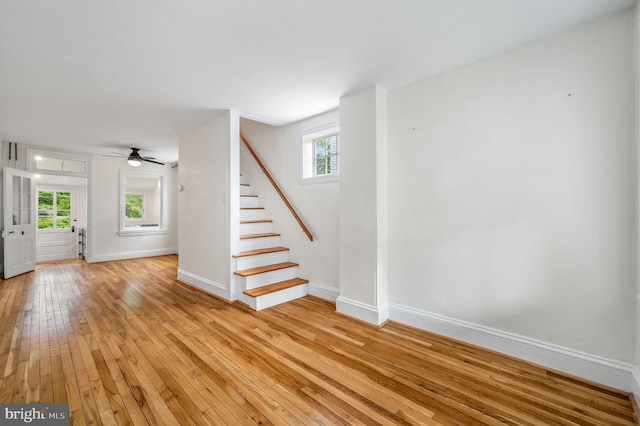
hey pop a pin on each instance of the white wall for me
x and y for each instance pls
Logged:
(107, 244)
(316, 203)
(208, 205)
(512, 191)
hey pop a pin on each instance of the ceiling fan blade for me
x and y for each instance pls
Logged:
(148, 158)
(152, 161)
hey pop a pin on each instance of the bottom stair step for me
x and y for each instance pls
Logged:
(272, 288)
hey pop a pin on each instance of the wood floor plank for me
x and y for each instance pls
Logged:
(214, 389)
(124, 342)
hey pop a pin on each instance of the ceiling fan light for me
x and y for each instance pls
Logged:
(134, 162)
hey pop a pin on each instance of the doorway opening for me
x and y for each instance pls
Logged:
(62, 217)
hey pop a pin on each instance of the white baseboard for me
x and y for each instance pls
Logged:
(371, 314)
(212, 287)
(616, 374)
(322, 291)
(131, 254)
(635, 383)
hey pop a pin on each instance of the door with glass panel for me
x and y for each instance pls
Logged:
(56, 237)
(19, 227)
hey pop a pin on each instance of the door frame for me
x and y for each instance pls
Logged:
(32, 165)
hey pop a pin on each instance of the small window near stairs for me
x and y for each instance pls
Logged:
(320, 154)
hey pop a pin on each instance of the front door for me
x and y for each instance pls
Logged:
(57, 238)
(19, 232)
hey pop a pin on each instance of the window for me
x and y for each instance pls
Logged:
(327, 151)
(320, 150)
(143, 209)
(54, 210)
(57, 163)
(135, 206)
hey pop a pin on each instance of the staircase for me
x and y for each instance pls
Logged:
(264, 273)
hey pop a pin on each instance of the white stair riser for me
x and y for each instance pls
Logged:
(248, 202)
(275, 298)
(256, 228)
(259, 280)
(259, 243)
(248, 300)
(245, 190)
(252, 214)
(248, 262)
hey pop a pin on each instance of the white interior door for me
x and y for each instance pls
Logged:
(19, 232)
(57, 237)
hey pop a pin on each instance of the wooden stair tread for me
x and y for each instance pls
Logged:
(244, 184)
(249, 236)
(272, 288)
(251, 208)
(256, 221)
(248, 195)
(266, 268)
(260, 251)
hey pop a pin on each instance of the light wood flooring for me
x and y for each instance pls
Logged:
(125, 343)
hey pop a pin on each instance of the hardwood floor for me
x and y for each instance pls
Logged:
(125, 343)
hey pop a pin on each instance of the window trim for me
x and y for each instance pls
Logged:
(307, 154)
(130, 231)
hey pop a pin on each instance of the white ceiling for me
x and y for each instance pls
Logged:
(93, 75)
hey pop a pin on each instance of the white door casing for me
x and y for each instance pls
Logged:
(20, 221)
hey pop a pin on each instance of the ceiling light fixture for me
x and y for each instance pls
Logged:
(134, 159)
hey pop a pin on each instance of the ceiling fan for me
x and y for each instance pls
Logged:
(135, 159)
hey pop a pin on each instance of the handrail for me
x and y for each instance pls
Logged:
(277, 188)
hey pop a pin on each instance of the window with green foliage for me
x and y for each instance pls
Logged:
(327, 150)
(134, 206)
(54, 210)
(320, 154)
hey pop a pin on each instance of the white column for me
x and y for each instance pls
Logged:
(363, 205)
(635, 383)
